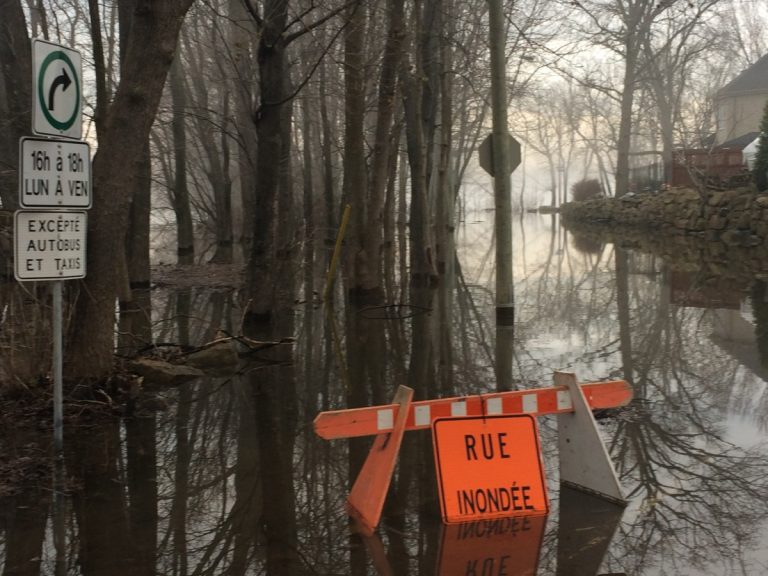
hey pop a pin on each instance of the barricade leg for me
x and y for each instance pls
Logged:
(585, 531)
(366, 499)
(584, 460)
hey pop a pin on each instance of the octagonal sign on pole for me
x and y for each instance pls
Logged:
(485, 152)
(57, 81)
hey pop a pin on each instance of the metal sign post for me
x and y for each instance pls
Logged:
(54, 176)
(58, 372)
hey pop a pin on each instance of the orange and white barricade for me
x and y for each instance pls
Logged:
(584, 460)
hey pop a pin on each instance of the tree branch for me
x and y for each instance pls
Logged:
(309, 27)
(253, 12)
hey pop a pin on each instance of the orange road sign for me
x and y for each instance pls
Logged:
(536, 402)
(508, 546)
(366, 499)
(484, 485)
(489, 467)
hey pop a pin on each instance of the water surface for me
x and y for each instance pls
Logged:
(224, 475)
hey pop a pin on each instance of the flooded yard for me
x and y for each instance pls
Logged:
(225, 475)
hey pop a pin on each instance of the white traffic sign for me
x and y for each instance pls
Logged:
(57, 81)
(49, 245)
(54, 173)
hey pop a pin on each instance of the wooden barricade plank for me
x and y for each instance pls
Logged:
(536, 402)
(366, 499)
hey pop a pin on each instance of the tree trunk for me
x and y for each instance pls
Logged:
(445, 248)
(211, 117)
(354, 190)
(137, 238)
(268, 119)
(135, 257)
(222, 194)
(383, 143)
(418, 109)
(310, 382)
(242, 31)
(331, 207)
(15, 96)
(185, 234)
(624, 140)
(148, 55)
(422, 264)
(286, 266)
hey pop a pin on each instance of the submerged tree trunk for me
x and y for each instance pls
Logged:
(148, 55)
(102, 517)
(223, 198)
(211, 96)
(141, 451)
(185, 238)
(383, 147)
(268, 120)
(136, 253)
(445, 247)
(25, 535)
(247, 506)
(137, 237)
(355, 185)
(423, 270)
(242, 32)
(310, 382)
(354, 192)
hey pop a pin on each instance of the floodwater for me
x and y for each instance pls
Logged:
(224, 475)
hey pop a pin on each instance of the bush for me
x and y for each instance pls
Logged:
(760, 171)
(586, 189)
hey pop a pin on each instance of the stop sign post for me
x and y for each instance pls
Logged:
(485, 153)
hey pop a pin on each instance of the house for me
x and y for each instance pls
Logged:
(724, 158)
(739, 105)
(721, 165)
(716, 165)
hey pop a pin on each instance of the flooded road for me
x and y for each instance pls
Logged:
(224, 475)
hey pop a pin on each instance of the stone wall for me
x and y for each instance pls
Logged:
(734, 217)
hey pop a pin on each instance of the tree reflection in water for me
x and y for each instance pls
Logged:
(230, 479)
(697, 498)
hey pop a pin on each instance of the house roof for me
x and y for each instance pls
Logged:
(740, 142)
(753, 79)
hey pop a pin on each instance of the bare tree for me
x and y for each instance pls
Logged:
(179, 194)
(622, 28)
(149, 50)
(669, 54)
